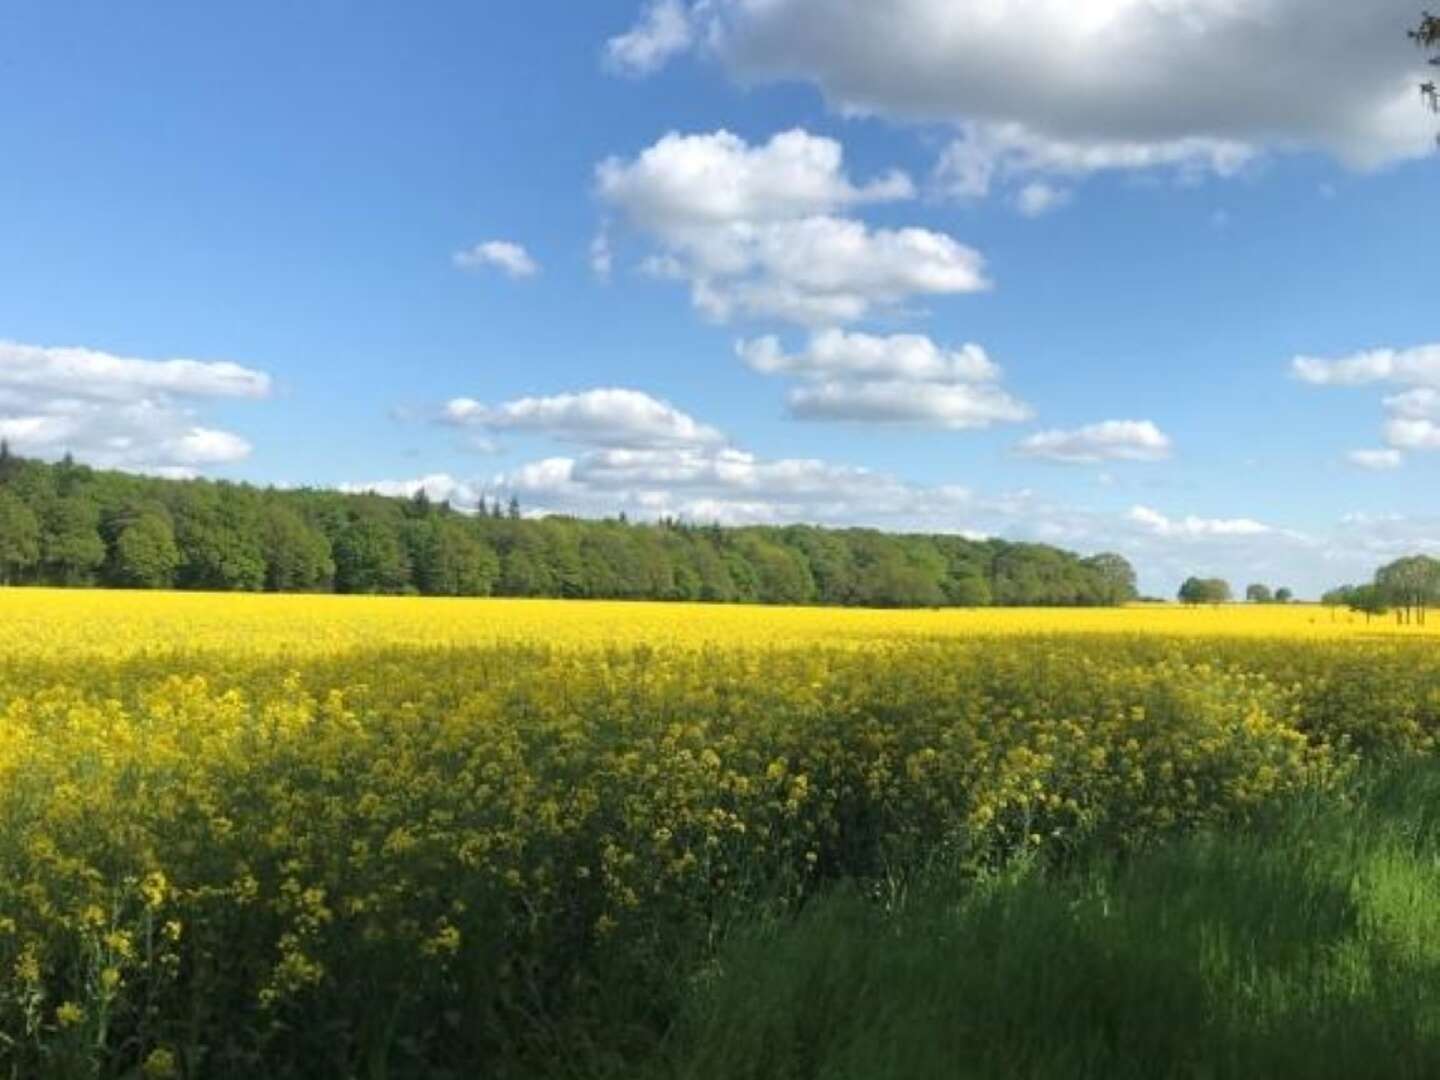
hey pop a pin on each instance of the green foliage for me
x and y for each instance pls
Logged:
(297, 554)
(1204, 591)
(145, 555)
(369, 558)
(1259, 594)
(449, 560)
(70, 546)
(19, 539)
(1307, 947)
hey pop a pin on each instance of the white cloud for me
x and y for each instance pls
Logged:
(729, 485)
(1406, 434)
(438, 487)
(756, 230)
(602, 417)
(1413, 413)
(1037, 199)
(957, 406)
(502, 255)
(987, 154)
(900, 379)
(663, 31)
(1419, 366)
(602, 259)
(1112, 440)
(122, 412)
(1376, 460)
(1194, 528)
(685, 181)
(1421, 403)
(832, 353)
(100, 376)
(1069, 87)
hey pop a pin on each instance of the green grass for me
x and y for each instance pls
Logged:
(1308, 946)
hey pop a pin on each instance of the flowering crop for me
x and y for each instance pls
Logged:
(320, 834)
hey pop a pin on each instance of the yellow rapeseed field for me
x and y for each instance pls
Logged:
(115, 623)
(238, 830)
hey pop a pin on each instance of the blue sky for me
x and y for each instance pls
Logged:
(1046, 288)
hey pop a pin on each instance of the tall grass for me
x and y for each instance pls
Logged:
(1308, 946)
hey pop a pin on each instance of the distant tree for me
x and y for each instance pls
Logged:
(71, 549)
(19, 539)
(1339, 596)
(523, 570)
(968, 590)
(145, 555)
(1410, 586)
(1258, 594)
(369, 558)
(218, 531)
(513, 510)
(1369, 600)
(1427, 36)
(1115, 581)
(1284, 595)
(449, 560)
(1197, 590)
(298, 556)
(9, 463)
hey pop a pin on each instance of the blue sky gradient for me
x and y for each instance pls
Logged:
(284, 187)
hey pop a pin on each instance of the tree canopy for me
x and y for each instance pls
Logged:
(66, 524)
(1198, 590)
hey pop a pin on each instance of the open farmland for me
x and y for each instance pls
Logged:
(348, 836)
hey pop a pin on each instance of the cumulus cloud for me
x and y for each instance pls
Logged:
(602, 417)
(509, 258)
(899, 379)
(987, 154)
(1411, 434)
(1413, 413)
(663, 30)
(117, 411)
(1112, 440)
(438, 487)
(728, 485)
(836, 353)
(1419, 366)
(1199, 86)
(1376, 460)
(957, 406)
(759, 231)
(1192, 527)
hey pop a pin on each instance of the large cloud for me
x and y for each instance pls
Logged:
(603, 417)
(759, 230)
(899, 379)
(1110, 440)
(1413, 414)
(1068, 87)
(120, 411)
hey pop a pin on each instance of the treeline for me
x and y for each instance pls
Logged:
(1409, 587)
(70, 525)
